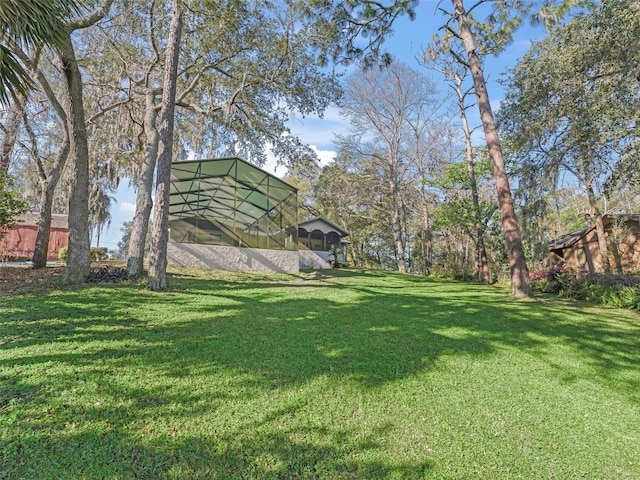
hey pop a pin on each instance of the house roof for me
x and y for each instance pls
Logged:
(31, 219)
(309, 221)
(569, 239)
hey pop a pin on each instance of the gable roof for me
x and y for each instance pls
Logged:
(330, 224)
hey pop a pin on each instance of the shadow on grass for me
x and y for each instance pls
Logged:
(216, 456)
(268, 334)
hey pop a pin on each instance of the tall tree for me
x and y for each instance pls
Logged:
(48, 176)
(573, 104)
(239, 79)
(160, 232)
(78, 256)
(437, 57)
(520, 280)
(55, 123)
(348, 192)
(99, 209)
(504, 18)
(463, 210)
(390, 110)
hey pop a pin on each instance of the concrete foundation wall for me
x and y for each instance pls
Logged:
(232, 258)
(313, 259)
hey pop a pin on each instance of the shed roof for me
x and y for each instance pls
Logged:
(569, 239)
(224, 188)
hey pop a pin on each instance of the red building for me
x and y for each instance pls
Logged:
(19, 242)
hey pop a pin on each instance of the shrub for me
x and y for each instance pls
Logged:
(11, 205)
(554, 280)
(625, 297)
(334, 257)
(622, 291)
(97, 254)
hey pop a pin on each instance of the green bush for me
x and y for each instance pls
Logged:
(622, 291)
(62, 254)
(555, 280)
(625, 297)
(11, 205)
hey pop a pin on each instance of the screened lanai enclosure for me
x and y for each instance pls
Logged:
(226, 213)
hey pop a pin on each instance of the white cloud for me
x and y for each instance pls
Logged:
(314, 130)
(325, 156)
(271, 165)
(127, 207)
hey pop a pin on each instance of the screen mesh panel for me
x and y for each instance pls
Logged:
(231, 202)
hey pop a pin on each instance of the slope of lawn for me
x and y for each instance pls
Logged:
(340, 374)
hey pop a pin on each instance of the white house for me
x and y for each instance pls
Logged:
(317, 237)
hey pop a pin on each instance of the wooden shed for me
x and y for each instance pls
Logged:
(579, 250)
(19, 242)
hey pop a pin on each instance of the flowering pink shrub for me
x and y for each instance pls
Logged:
(554, 280)
(539, 274)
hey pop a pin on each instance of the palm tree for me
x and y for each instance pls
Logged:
(28, 23)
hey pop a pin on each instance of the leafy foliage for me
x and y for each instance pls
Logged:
(28, 23)
(11, 204)
(360, 27)
(573, 102)
(621, 291)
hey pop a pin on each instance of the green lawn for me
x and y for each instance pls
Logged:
(344, 374)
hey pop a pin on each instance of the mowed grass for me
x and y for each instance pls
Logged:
(336, 375)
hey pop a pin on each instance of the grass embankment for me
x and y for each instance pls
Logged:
(339, 375)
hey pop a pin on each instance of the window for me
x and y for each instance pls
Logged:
(316, 240)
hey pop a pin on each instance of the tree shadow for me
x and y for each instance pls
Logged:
(265, 335)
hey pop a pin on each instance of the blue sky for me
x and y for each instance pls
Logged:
(406, 44)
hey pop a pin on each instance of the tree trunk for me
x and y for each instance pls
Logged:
(144, 202)
(482, 269)
(426, 244)
(39, 258)
(396, 218)
(48, 187)
(160, 234)
(78, 254)
(603, 250)
(520, 280)
(11, 129)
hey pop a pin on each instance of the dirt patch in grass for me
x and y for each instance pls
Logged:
(22, 279)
